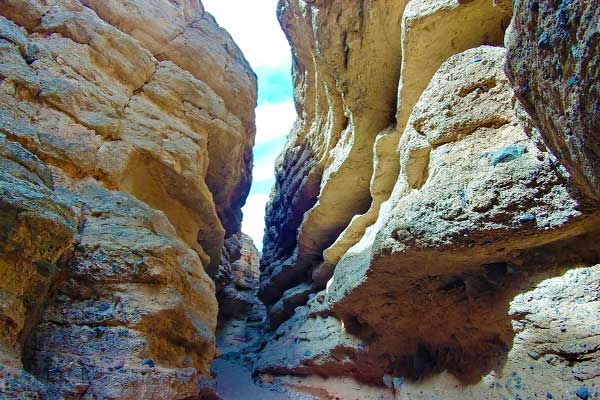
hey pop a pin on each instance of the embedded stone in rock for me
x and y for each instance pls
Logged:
(554, 63)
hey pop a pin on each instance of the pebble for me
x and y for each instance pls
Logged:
(583, 393)
(148, 362)
(507, 154)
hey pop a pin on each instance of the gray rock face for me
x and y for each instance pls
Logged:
(37, 231)
(554, 63)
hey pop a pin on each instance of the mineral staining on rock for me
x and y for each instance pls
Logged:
(125, 163)
(405, 248)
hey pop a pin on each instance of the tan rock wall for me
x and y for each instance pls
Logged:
(469, 223)
(359, 69)
(432, 31)
(344, 99)
(134, 162)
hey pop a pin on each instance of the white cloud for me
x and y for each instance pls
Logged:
(263, 172)
(254, 217)
(254, 27)
(274, 120)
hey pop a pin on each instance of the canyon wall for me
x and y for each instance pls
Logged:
(431, 234)
(125, 151)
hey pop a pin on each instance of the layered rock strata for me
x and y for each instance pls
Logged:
(417, 229)
(125, 163)
(358, 69)
(241, 314)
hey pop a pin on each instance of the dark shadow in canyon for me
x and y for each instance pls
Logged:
(464, 326)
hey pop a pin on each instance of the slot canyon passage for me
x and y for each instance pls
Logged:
(431, 233)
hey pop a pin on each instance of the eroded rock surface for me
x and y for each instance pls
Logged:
(474, 195)
(359, 68)
(125, 163)
(37, 231)
(344, 102)
(241, 314)
(134, 310)
(431, 235)
(468, 223)
(553, 62)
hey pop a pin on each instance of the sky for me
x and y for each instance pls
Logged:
(254, 27)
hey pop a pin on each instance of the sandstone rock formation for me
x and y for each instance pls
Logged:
(342, 147)
(239, 308)
(420, 230)
(133, 311)
(431, 234)
(125, 163)
(38, 229)
(473, 197)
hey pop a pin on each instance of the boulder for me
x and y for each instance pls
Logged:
(553, 63)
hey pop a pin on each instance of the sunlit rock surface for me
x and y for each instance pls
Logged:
(432, 233)
(358, 72)
(125, 163)
(419, 231)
